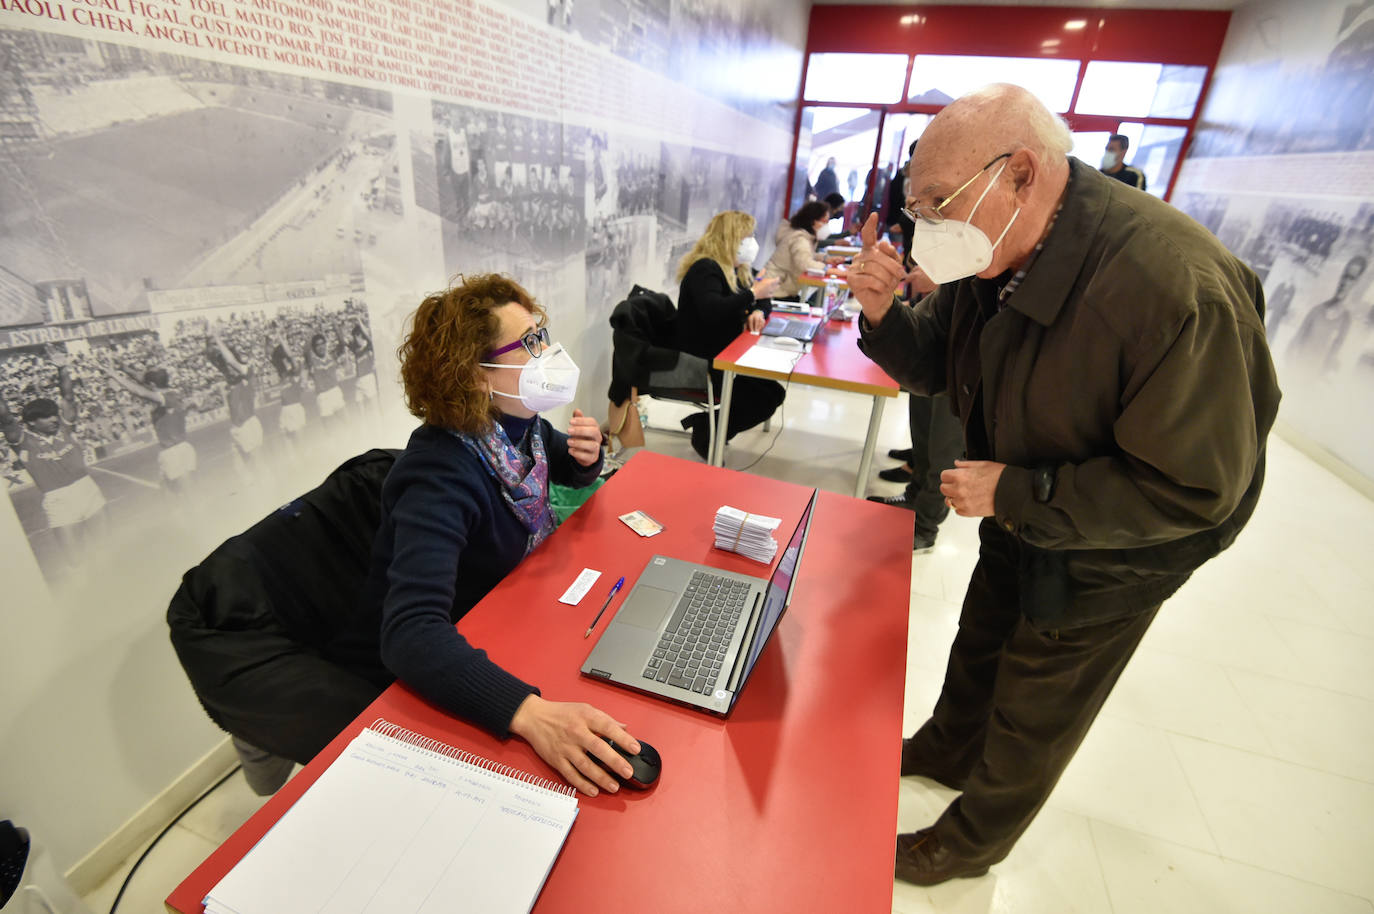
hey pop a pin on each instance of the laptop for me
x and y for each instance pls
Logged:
(802, 329)
(691, 633)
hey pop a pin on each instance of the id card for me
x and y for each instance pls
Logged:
(642, 523)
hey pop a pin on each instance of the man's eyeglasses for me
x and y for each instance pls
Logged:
(535, 342)
(932, 214)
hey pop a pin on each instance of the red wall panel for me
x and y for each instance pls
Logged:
(1155, 36)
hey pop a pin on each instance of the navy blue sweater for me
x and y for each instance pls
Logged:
(447, 537)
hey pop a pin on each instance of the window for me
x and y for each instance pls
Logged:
(800, 176)
(939, 79)
(847, 135)
(1089, 146)
(898, 132)
(871, 78)
(1140, 89)
(1154, 150)
(847, 94)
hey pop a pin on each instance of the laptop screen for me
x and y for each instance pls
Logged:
(779, 589)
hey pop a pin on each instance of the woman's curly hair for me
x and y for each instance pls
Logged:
(449, 336)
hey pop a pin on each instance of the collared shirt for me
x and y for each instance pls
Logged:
(54, 462)
(1020, 275)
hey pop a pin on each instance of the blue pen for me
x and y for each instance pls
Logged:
(609, 597)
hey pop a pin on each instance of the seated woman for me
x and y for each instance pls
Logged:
(796, 248)
(468, 499)
(718, 299)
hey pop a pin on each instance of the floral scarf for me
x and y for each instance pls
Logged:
(523, 478)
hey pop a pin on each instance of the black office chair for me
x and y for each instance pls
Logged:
(644, 360)
(267, 627)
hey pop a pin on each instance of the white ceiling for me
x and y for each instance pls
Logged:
(1098, 4)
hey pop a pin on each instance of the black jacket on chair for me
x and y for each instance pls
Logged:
(643, 340)
(268, 627)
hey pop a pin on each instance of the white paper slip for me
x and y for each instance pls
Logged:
(579, 587)
(768, 359)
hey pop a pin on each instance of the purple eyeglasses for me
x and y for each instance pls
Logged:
(535, 342)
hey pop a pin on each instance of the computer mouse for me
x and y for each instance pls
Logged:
(647, 765)
(786, 342)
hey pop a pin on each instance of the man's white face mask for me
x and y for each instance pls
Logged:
(952, 249)
(1110, 160)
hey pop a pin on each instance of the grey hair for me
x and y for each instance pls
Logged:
(1051, 130)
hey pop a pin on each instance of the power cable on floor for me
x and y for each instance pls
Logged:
(782, 422)
(134, 869)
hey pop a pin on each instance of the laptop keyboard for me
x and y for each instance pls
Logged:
(693, 645)
(782, 326)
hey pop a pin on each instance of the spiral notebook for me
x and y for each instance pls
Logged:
(400, 823)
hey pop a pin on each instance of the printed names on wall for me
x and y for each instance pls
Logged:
(458, 49)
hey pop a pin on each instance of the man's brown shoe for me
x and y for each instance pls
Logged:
(922, 859)
(916, 765)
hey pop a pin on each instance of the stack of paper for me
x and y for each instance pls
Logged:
(751, 535)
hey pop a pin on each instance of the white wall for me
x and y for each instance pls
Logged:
(1282, 169)
(156, 184)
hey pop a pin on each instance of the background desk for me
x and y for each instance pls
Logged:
(820, 282)
(791, 803)
(834, 361)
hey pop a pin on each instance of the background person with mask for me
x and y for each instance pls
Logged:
(1114, 162)
(795, 250)
(468, 499)
(898, 225)
(718, 297)
(1107, 358)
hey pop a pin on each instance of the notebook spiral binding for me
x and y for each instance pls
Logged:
(420, 741)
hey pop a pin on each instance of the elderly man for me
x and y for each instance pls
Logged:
(1107, 358)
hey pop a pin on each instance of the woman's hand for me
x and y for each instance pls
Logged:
(584, 439)
(765, 286)
(563, 732)
(756, 321)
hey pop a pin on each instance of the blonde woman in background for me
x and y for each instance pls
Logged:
(719, 298)
(796, 247)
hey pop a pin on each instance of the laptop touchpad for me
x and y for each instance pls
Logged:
(648, 608)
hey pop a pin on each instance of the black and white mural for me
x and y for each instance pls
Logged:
(1282, 170)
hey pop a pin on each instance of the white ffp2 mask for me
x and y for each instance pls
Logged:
(746, 252)
(953, 248)
(546, 382)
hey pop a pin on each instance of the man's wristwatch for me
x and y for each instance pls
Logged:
(1042, 484)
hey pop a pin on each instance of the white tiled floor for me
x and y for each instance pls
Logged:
(1231, 771)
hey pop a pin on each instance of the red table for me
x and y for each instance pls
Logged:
(833, 361)
(790, 804)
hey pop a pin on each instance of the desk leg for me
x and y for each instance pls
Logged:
(727, 388)
(875, 419)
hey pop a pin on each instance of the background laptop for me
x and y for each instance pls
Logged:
(691, 633)
(804, 330)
